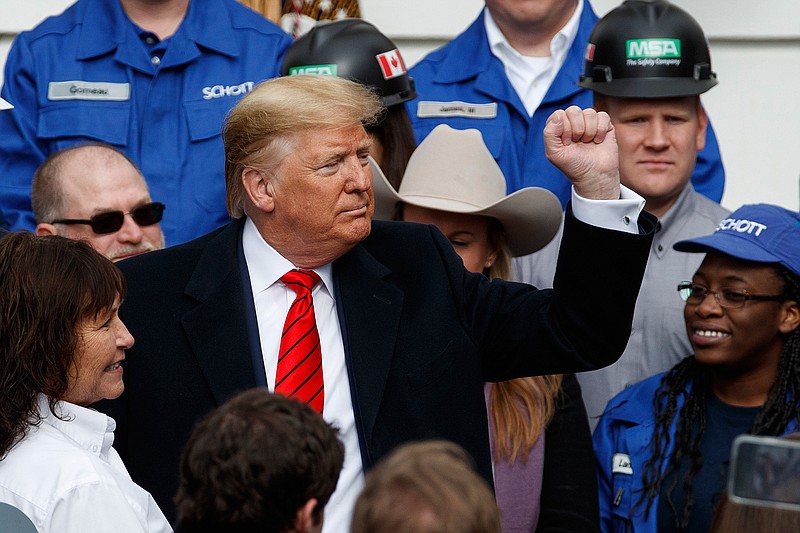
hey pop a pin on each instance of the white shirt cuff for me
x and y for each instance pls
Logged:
(619, 215)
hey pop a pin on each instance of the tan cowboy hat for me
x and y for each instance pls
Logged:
(452, 170)
(5, 105)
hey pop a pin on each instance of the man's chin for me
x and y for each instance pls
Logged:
(126, 255)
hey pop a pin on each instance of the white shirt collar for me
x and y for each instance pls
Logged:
(91, 430)
(559, 45)
(271, 264)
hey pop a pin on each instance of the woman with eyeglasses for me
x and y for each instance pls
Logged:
(62, 346)
(663, 445)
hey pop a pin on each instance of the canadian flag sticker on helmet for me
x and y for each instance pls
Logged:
(589, 56)
(391, 64)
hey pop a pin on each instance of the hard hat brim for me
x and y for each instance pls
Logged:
(649, 87)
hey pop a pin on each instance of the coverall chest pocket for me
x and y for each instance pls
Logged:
(66, 124)
(205, 120)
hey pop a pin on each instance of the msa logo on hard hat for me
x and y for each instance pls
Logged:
(646, 48)
(322, 70)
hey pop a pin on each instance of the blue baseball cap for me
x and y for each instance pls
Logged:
(756, 232)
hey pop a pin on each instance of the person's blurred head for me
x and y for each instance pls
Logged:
(731, 517)
(647, 63)
(260, 462)
(453, 182)
(297, 165)
(357, 50)
(61, 335)
(94, 192)
(426, 487)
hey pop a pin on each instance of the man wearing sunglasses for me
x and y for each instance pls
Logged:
(94, 192)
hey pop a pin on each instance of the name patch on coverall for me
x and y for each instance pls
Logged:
(429, 109)
(88, 90)
(621, 464)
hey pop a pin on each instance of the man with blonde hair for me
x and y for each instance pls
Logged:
(377, 325)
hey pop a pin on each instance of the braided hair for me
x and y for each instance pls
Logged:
(781, 407)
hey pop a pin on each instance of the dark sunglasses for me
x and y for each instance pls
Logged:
(111, 221)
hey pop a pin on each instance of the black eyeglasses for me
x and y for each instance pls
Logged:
(694, 294)
(111, 221)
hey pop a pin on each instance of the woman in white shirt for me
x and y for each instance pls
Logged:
(61, 350)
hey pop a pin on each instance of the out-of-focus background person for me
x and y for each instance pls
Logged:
(61, 350)
(426, 487)
(260, 462)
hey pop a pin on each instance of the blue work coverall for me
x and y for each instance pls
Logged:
(88, 75)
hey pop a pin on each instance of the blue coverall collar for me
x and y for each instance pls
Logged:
(207, 24)
(475, 61)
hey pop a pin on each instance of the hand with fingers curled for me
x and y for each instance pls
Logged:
(583, 145)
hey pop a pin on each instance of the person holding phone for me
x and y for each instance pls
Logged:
(663, 445)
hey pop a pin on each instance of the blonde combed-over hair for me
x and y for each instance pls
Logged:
(259, 129)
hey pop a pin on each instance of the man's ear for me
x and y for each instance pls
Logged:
(43, 230)
(259, 188)
(304, 521)
(702, 122)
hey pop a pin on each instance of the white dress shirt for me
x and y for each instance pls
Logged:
(272, 301)
(531, 77)
(65, 476)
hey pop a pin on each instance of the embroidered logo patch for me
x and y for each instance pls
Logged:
(221, 91)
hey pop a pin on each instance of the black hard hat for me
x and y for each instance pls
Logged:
(354, 49)
(647, 49)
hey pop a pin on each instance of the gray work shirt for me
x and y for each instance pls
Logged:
(658, 338)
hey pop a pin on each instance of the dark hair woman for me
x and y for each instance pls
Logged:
(663, 445)
(61, 349)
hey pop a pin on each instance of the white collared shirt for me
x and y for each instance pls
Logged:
(531, 76)
(272, 300)
(65, 476)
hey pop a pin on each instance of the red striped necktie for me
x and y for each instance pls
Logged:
(299, 372)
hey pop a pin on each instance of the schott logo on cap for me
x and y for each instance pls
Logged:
(741, 225)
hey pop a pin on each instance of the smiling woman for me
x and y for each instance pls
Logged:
(61, 350)
(663, 445)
